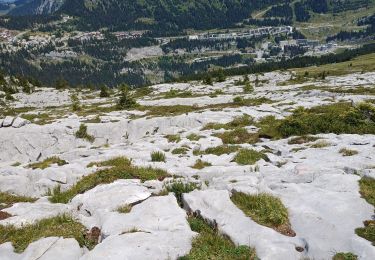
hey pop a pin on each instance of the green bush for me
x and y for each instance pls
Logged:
(125, 101)
(104, 91)
(247, 88)
(82, 134)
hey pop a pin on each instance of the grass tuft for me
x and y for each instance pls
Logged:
(248, 157)
(7, 200)
(173, 138)
(194, 137)
(321, 144)
(157, 156)
(180, 150)
(124, 209)
(264, 209)
(114, 162)
(47, 163)
(209, 244)
(60, 226)
(179, 188)
(238, 136)
(199, 164)
(105, 176)
(237, 122)
(348, 152)
(302, 139)
(367, 190)
(345, 256)
(218, 150)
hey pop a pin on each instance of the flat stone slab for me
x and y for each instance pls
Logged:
(29, 213)
(44, 249)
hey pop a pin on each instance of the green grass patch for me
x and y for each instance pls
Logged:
(124, 209)
(47, 163)
(238, 136)
(348, 152)
(209, 244)
(367, 190)
(199, 164)
(157, 156)
(218, 150)
(339, 118)
(344, 256)
(180, 150)
(114, 162)
(173, 138)
(264, 209)
(194, 137)
(179, 187)
(321, 144)
(237, 122)
(302, 139)
(249, 157)
(7, 200)
(60, 226)
(105, 176)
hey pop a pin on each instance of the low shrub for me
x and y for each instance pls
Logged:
(82, 134)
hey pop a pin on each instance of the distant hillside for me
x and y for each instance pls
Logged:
(34, 7)
(163, 14)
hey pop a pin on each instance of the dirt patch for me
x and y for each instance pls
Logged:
(4, 215)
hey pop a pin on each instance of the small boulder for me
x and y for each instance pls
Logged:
(20, 122)
(8, 121)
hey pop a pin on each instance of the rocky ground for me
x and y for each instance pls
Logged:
(315, 179)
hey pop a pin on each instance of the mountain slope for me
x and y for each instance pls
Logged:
(198, 14)
(38, 7)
